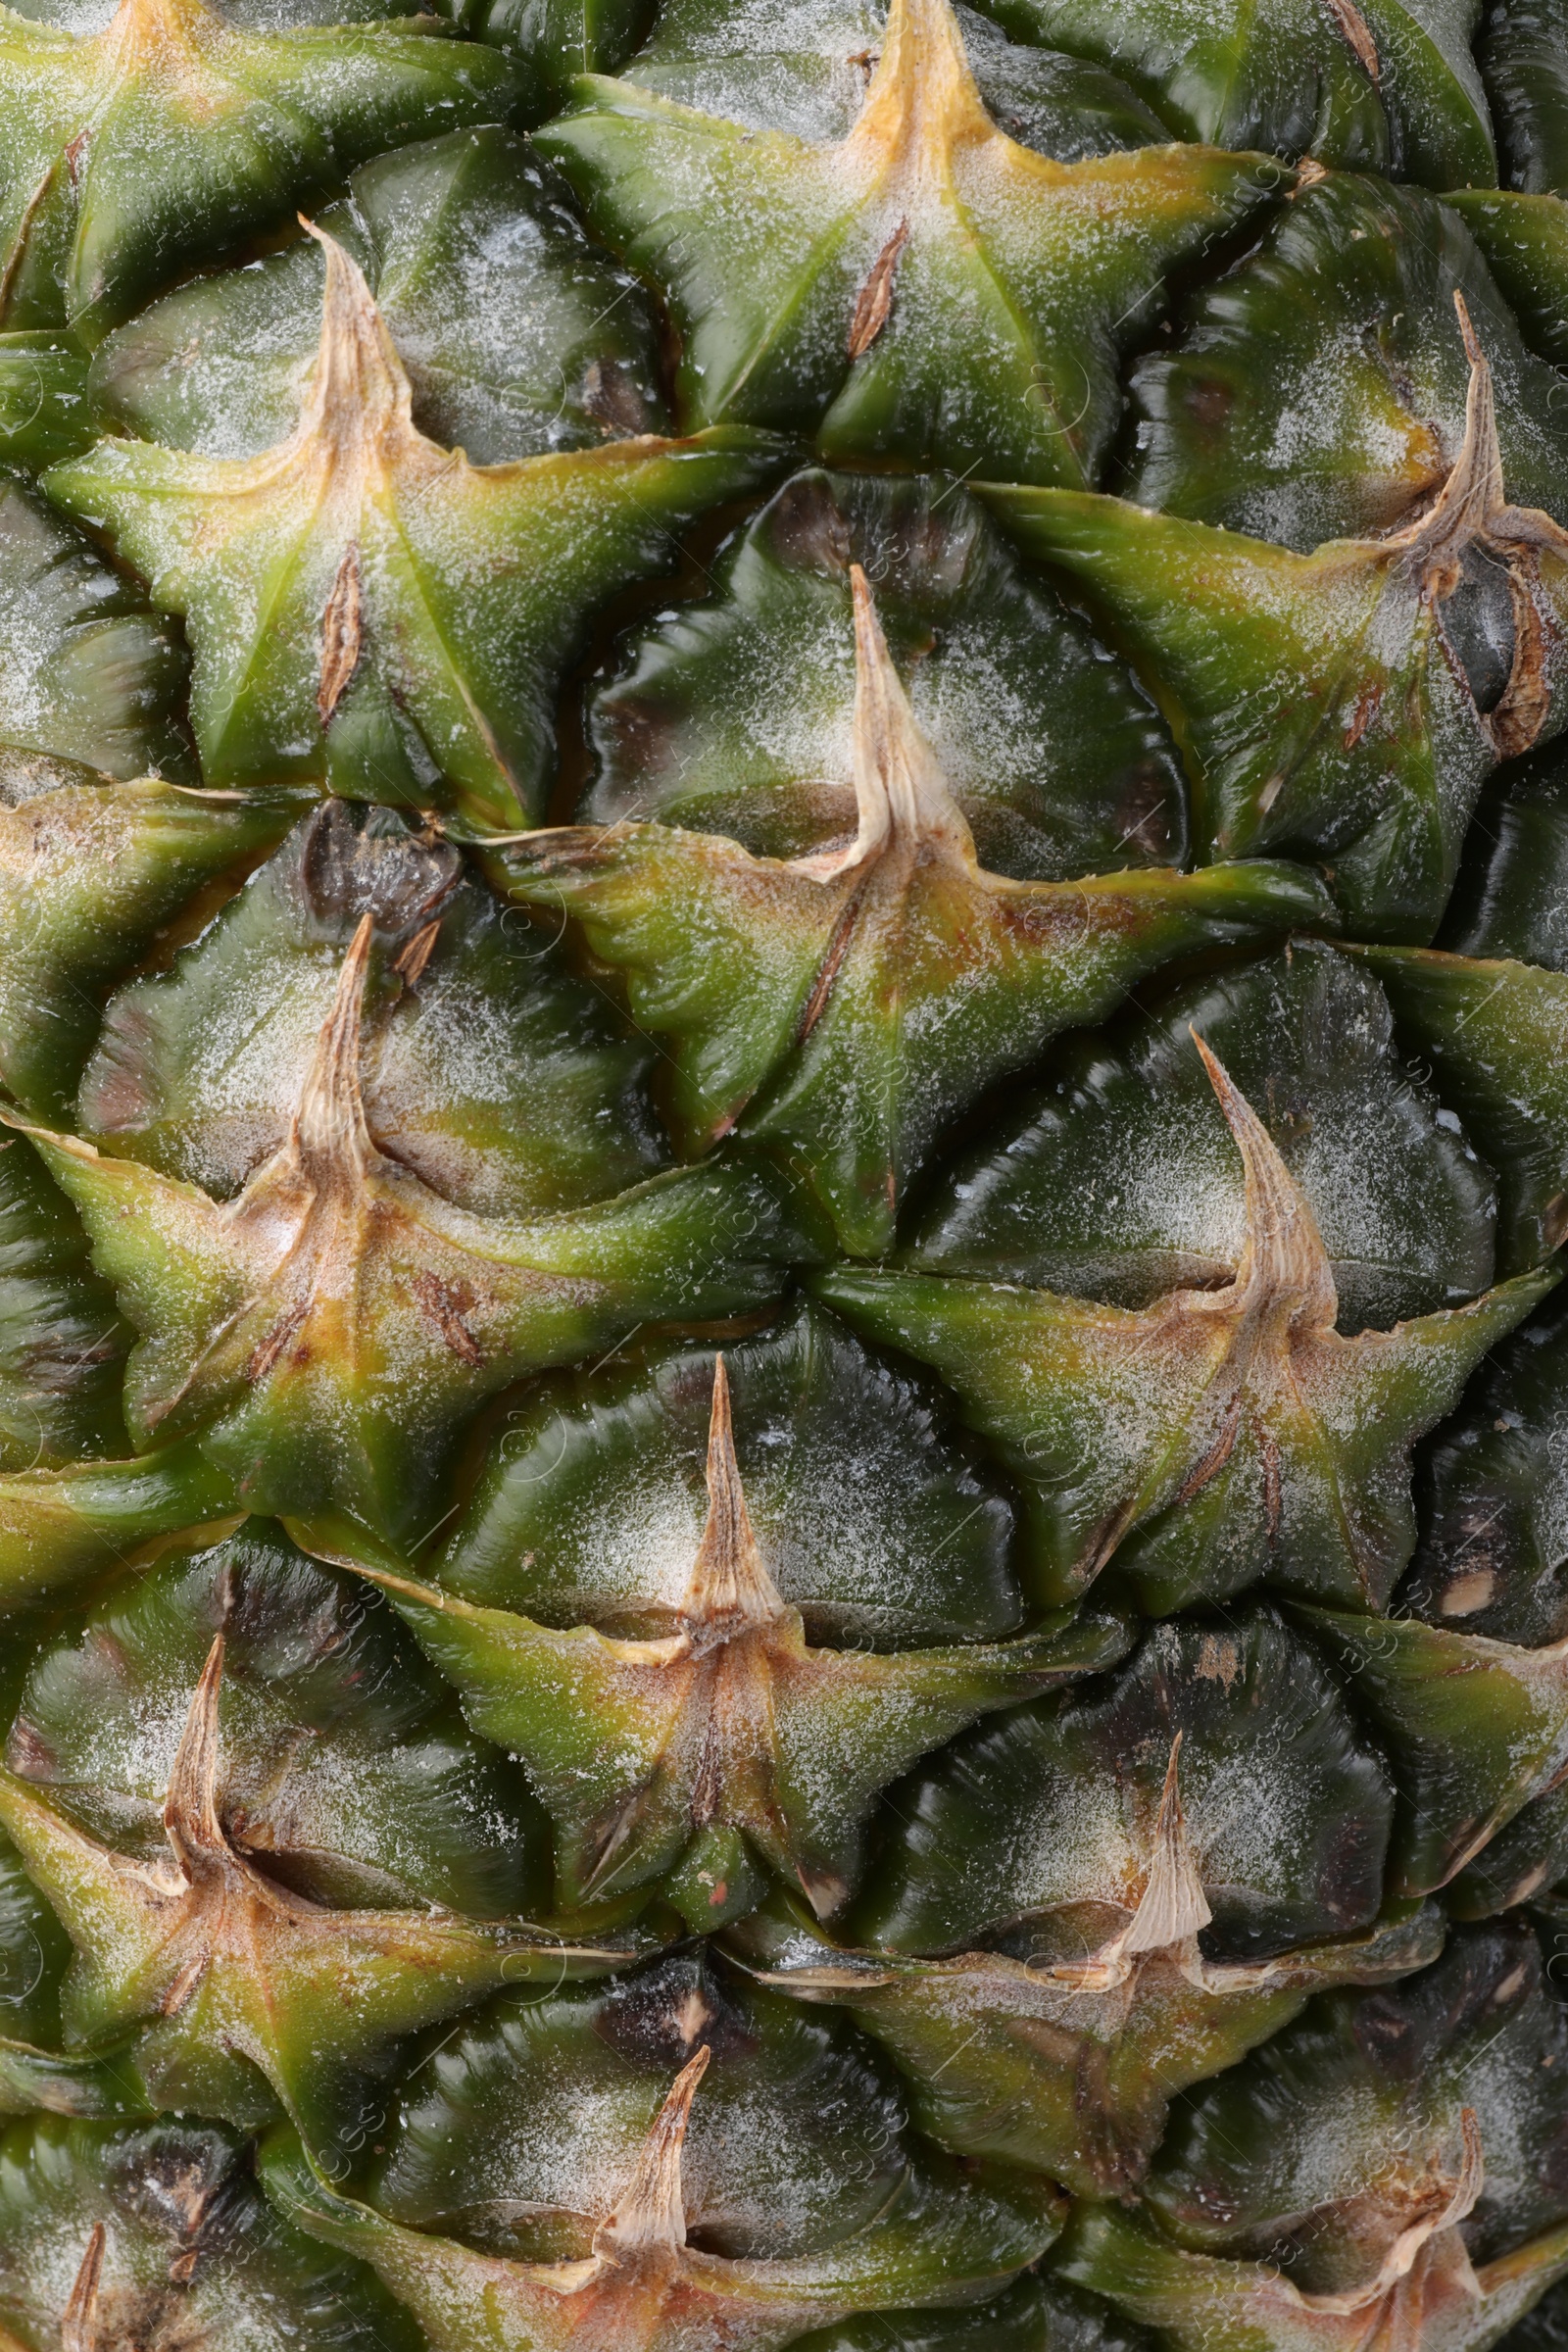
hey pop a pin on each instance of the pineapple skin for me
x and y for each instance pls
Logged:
(784, 1056)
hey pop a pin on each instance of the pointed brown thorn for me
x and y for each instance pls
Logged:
(1472, 2177)
(353, 435)
(190, 1807)
(1173, 1906)
(1473, 495)
(1464, 2192)
(307, 1212)
(1358, 33)
(823, 1891)
(1472, 341)
(902, 797)
(652, 2215)
(328, 1130)
(410, 966)
(1283, 1254)
(923, 99)
(359, 406)
(899, 786)
(693, 2014)
(730, 1589)
(154, 36)
(1473, 508)
(79, 2322)
(360, 389)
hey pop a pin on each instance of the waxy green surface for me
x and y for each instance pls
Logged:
(842, 1008)
(549, 42)
(45, 409)
(89, 876)
(1475, 1728)
(873, 1515)
(1096, 1900)
(346, 1771)
(781, 2080)
(231, 1991)
(321, 1402)
(719, 1743)
(485, 1070)
(1525, 1862)
(1038, 2315)
(83, 17)
(62, 1345)
(518, 336)
(34, 1954)
(159, 2235)
(1117, 1177)
(805, 69)
(1384, 87)
(230, 2000)
(1102, 1434)
(1207, 1436)
(737, 716)
(1276, 2204)
(643, 1595)
(326, 1330)
(1491, 1029)
(1001, 2059)
(915, 988)
(1523, 60)
(1198, 2303)
(921, 287)
(92, 679)
(172, 133)
(1319, 391)
(367, 608)
(1343, 706)
(1525, 239)
(1491, 1562)
(556, 40)
(100, 2088)
(1493, 1558)
(765, 2187)
(63, 1531)
(1512, 897)
(1037, 1834)
(35, 2071)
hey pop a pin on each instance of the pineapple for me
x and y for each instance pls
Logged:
(784, 1057)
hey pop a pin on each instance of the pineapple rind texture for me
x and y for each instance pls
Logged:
(783, 1152)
